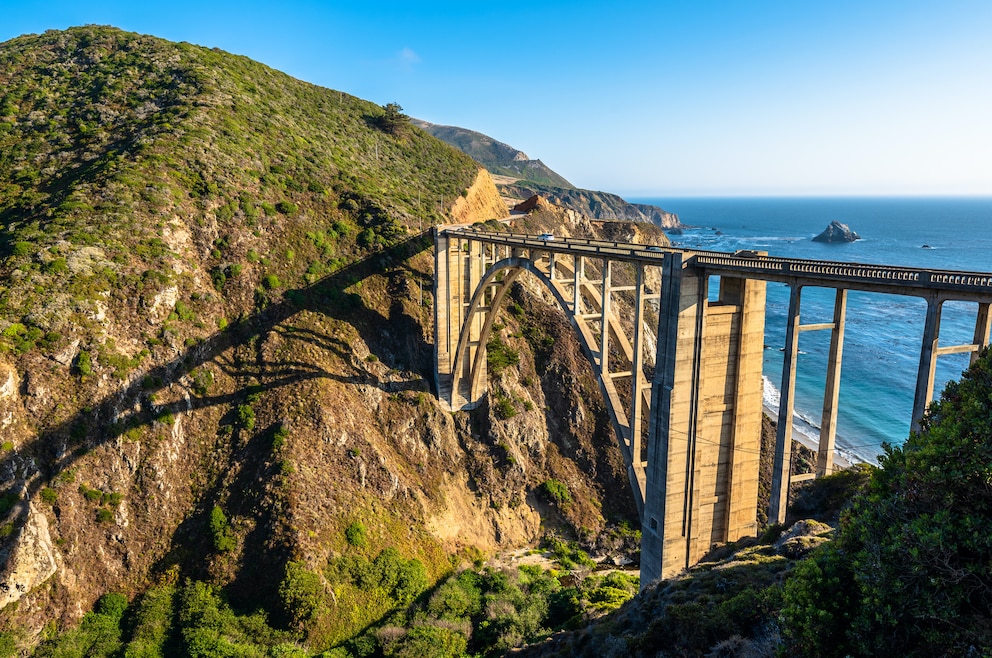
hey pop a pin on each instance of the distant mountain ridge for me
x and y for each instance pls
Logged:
(499, 158)
(532, 177)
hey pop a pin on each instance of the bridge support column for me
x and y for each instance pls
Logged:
(782, 460)
(928, 362)
(604, 322)
(831, 393)
(705, 425)
(983, 328)
(579, 271)
(639, 384)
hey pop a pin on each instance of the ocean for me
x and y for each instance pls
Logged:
(884, 332)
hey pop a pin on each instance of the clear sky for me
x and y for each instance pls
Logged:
(642, 98)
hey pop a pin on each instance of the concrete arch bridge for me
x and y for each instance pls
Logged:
(690, 435)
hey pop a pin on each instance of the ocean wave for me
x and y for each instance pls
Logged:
(802, 424)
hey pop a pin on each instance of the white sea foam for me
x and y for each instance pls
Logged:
(804, 429)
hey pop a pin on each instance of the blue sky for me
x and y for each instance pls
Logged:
(657, 98)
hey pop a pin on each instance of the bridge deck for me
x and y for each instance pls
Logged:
(919, 282)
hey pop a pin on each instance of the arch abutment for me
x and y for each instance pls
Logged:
(928, 361)
(782, 459)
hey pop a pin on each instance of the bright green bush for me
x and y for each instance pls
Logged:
(556, 491)
(84, 364)
(49, 495)
(246, 415)
(355, 534)
(301, 593)
(287, 207)
(220, 530)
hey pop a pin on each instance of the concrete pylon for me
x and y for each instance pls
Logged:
(705, 428)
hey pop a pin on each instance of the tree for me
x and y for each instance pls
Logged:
(911, 571)
(393, 120)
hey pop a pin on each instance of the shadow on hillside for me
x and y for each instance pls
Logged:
(397, 340)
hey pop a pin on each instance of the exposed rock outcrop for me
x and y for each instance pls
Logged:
(595, 205)
(481, 201)
(837, 232)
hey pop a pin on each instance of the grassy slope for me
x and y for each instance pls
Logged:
(150, 194)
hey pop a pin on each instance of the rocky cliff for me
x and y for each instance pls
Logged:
(597, 205)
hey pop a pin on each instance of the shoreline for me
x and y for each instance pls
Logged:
(841, 459)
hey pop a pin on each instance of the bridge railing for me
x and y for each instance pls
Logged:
(980, 282)
(762, 267)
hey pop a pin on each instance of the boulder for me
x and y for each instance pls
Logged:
(837, 232)
(802, 537)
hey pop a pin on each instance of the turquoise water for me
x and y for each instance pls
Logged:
(884, 332)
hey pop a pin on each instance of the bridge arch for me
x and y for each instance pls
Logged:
(469, 377)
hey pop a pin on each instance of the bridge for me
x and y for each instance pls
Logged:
(690, 433)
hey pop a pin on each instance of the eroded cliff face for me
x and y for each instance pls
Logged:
(480, 202)
(297, 422)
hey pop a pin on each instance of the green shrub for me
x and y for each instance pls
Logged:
(104, 515)
(911, 554)
(7, 501)
(271, 282)
(301, 593)
(287, 207)
(567, 554)
(84, 364)
(556, 491)
(504, 408)
(355, 534)
(184, 312)
(246, 415)
(203, 379)
(152, 623)
(220, 530)
(500, 355)
(49, 495)
(279, 438)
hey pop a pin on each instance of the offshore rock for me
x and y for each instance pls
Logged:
(837, 232)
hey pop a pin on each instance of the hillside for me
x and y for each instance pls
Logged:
(498, 158)
(215, 356)
(519, 178)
